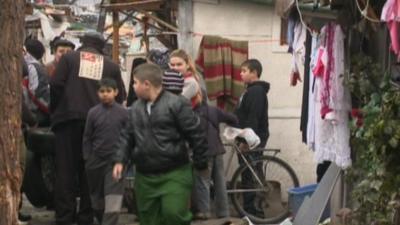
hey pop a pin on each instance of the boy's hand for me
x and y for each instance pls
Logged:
(244, 147)
(117, 171)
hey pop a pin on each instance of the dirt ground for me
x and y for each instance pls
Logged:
(41, 216)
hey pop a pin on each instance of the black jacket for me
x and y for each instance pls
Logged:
(211, 117)
(252, 110)
(71, 96)
(156, 143)
(102, 130)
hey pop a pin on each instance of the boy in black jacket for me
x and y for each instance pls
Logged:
(103, 126)
(252, 112)
(159, 126)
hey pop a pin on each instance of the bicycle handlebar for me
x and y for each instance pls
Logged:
(274, 150)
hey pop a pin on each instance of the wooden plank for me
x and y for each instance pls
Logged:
(120, 23)
(149, 24)
(185, 21)
(160, 21)
(336, 201)
(145, 38)
(115, 52)
(146, 5)
(141, 7)
(102, 18)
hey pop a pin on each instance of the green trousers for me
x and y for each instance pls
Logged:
(164, 199)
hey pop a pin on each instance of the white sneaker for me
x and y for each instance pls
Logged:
(22, 222)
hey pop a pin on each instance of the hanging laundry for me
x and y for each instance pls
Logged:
(298, 52)
(324, 67)
(329, 133)
(219, 61)
(306, 88)
(391, 15)
(312, 94)
(290, 34)
(293, 19)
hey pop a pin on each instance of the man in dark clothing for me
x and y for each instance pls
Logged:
(73, 92)
(103, 126)
(252, 112)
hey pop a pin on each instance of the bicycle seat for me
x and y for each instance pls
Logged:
(40, 140)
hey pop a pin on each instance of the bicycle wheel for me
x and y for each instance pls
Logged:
(270, 198)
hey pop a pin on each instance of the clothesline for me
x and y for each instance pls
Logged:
(239, 35)
(363, 12)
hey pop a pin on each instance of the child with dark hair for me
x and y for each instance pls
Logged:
(252, 112)
(211, 117)
(252, 65)
(35, 48)
(131, 92)
(159, 127)
(36, 84)
(252, 109)
(103, 126)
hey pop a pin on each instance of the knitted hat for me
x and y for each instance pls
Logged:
(172, 81)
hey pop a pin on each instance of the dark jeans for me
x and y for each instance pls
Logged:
(70, 175)
(106, 194)
(321, 169)
(250, 182)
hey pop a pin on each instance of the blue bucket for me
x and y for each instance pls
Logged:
(297, 196)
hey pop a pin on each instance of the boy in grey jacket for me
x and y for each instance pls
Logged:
(103, 126)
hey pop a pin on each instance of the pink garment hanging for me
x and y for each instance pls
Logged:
(332, 133)
(391, 14)
(319, 66)
(324, 66)
(391, 11)
(394, 36)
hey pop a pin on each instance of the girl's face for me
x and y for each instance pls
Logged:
(178, 64)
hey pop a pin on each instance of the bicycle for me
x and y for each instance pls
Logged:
(269, 185)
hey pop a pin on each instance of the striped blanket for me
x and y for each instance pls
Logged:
(219, 61)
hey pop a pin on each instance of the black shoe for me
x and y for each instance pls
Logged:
(24, 217)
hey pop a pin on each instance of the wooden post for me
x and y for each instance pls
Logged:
(115, 52)
(185, 21)
(145, 37)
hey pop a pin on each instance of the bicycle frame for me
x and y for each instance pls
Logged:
(241, 155)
